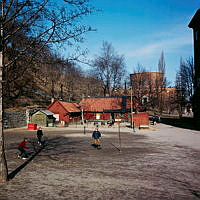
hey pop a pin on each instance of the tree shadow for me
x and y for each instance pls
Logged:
(184, 122)
(12, 174)
(52, 148)
(193, 189)
(61, 145)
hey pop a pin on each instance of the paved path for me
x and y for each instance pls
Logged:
(174, 136)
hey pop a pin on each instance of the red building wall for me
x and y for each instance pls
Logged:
(92, 116)
(140, 119)
(89, 116)
(104, 116)
(56, 108)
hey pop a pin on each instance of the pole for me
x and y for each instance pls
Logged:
(131, 107)
(119, 137)
(82, 116)
(3, 163)
(84, 131)
(132, 122)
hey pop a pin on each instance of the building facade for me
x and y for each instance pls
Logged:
(150, 89)
(195, 25)
(65, 112)
(108, 108)
(147, 86)
(43, 118)
(145, 83)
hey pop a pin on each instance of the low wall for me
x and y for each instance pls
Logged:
(17, 119)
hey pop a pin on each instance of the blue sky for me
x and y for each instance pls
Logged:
(142, 29)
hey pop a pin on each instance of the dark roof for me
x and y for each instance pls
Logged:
(195, 22)
(46, 112)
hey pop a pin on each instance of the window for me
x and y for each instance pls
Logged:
(98, 116)
(144, 100)
(196, 35)
(122, 115)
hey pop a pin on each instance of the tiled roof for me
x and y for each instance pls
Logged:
(100, 104)
(70, 107)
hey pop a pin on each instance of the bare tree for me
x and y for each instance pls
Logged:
(184, 83)
(188, 74)
(31, 28)
(149, 87)
(139, 80)
(27, 27)
(109, 68)
(161, 82)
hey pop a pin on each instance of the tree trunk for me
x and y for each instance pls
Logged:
(3, 163)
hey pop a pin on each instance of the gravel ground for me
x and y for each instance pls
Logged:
(159, 163)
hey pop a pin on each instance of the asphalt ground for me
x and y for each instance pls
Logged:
(159, 163)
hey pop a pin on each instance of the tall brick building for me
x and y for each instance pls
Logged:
(145, 84)
(151, 91)
(195, 25)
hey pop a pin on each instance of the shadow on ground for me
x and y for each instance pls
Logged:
(18, 169)
(184, 122)
(52, 148)
(70, 168)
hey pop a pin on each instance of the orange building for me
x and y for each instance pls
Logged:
(150, 89)
(144, 84)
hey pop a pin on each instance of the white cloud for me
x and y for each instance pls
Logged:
(170, 45)
(170, 41)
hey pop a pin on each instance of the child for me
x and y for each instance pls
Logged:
(21, 147)
(39, 135)
(96, 136)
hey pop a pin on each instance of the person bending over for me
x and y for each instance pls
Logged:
(21, 147)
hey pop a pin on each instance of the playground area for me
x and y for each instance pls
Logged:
(161, 163)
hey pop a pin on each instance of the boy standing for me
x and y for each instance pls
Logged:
(39, 135)
(96, 137)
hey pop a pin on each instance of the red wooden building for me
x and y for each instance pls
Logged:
(107, 108)
(66, 111)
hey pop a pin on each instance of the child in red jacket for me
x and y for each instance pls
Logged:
(21, 147)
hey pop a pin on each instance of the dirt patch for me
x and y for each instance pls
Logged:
(68, 167)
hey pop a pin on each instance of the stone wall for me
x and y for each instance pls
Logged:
(17, 119)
